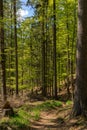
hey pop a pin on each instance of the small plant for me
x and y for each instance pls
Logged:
(56, 103)
(69, 102)
(36, 115)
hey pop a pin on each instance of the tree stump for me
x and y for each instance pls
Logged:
(7, 109)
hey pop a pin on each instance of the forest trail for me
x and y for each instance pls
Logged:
(57, 118)
(52, 120)
(47, 120)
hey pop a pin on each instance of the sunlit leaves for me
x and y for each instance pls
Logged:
(71, 1)
(50, 2)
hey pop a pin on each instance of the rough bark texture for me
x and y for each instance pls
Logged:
(2, 48)
(80, 97)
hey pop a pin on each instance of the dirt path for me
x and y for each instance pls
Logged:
(54, 119)
(58, 119)
(50, 120)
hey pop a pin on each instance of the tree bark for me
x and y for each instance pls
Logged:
(2, 47)
(16, 46)
(80, 95)
(54, 48)
(43, 53)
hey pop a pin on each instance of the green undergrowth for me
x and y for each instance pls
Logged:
(28, 112)
(20, 120)
(69, 102)
(48, 105)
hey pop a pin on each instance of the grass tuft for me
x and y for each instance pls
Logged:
(69, 102)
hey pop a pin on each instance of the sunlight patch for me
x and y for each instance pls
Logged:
(23, 13)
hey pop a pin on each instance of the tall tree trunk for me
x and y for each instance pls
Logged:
(68, 52)
(72, 50)
(54, 48)
(3, 56)
(11, 45)
(80, 97)
(16, 46)
(43, 54)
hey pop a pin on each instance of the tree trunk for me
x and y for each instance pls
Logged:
(43, 53)
(72, 50)
(80, 95)
(16, 46)
(3, 56)
(54, 48)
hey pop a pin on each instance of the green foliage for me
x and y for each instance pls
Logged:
(19, 120)
(49, 105)
(69, 102)
(52, 104)
(29, 40)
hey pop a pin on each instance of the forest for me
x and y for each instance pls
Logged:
(43, 65)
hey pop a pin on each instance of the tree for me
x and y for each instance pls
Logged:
(43, 52)
(54, 47)
(16, 46)
(57, 32)
(80, 97)
(3, 56)
(40, 49)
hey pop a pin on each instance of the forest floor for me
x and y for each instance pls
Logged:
(42, 115)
